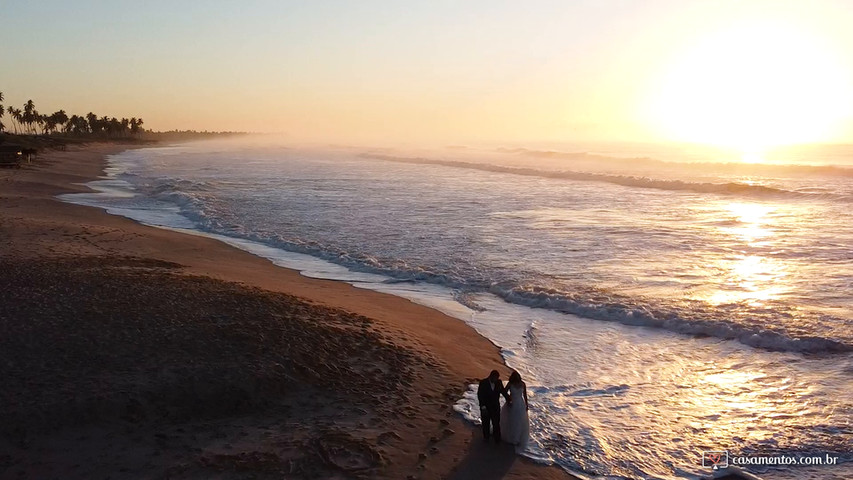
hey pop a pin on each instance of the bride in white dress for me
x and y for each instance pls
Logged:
(514, 420)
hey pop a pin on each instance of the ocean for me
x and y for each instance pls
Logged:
(660, 302)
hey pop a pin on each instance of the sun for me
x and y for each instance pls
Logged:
(751, 87)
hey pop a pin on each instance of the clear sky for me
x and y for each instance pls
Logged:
(746, 73)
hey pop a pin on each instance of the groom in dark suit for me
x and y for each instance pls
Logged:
(489, 395)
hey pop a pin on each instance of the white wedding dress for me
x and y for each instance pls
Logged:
(515, 425)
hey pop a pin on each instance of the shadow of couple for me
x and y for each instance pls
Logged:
(485, 460)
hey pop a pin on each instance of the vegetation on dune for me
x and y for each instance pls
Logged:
(28, 121)
(37, 130)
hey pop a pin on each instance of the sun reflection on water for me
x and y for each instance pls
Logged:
(745, 274)
(720, 395)
(752, 280)
(753, 220)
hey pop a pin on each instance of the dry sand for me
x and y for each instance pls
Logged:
(133, 352)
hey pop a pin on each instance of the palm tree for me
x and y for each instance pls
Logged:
(38, 120)
(61, 117)
(125, 127)
(92, 119)
(116, 126)
(77, 125)
(2, 127)
(46, 121)
(105, 124)
(69, 125)
(27, 116)
(54, 119)
(50, 123)
(30, 116)
(82, 126)
(19, 115)
(15, 113)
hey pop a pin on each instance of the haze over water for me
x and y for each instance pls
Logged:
(657, 307)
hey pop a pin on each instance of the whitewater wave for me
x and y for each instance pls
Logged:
(531, 337)
(670, 320)
(709, 324)
(606, 308)
(728, 188)
(467, 299)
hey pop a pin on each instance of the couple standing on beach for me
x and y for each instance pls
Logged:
(513, 415)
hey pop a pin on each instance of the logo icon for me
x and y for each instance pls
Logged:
(715, 460)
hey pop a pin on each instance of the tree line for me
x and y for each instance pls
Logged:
(28, 121)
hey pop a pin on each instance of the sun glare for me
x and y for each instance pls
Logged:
(752, 87)
(752, 156)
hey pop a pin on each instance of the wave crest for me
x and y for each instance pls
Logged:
(625, 314)
(728, 188)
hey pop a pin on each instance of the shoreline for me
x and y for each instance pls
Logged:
(440, 355)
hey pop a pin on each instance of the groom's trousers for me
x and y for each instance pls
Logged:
(491, 418)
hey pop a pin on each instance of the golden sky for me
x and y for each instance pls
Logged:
(746, 74)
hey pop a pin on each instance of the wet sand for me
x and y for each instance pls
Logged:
(129, 351)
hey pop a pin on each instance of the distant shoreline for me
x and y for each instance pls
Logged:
(60, 141)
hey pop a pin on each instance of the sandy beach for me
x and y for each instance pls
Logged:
(128, 351)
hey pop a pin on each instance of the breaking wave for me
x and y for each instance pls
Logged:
(591, 305)
(727, 188)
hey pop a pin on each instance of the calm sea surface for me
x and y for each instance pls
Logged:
(659, 302)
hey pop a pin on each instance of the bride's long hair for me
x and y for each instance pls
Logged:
(515, 378)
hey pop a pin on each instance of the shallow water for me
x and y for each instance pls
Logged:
(657, 310)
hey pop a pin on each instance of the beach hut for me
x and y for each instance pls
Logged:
(11, 156)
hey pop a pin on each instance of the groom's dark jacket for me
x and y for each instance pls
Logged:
(488, 397)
